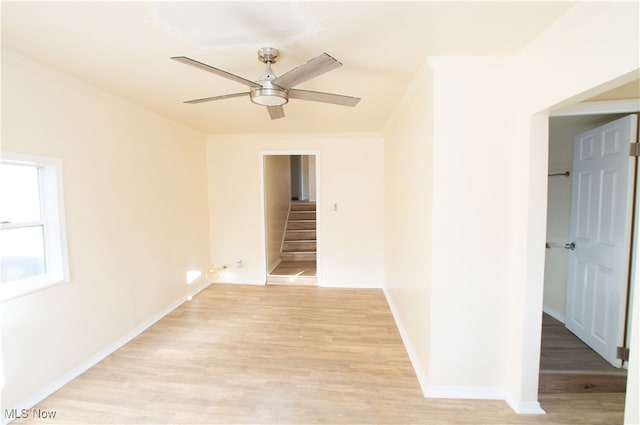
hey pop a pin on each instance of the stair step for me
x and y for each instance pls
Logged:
(299, 246)
(303, 206)
(298, 256)
(301, 225)
(294, 268)
(307, 235)
(302, 215)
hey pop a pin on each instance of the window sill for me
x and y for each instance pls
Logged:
(18, 288)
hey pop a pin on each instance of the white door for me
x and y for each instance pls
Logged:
(601, 208)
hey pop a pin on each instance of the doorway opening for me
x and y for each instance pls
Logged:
(569, 362)
(290, 215)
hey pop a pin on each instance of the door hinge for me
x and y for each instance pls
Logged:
(634, 149)
(622, 353)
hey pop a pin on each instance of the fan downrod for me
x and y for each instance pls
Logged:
(268, 55)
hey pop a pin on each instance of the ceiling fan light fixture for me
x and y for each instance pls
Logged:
(269, 96)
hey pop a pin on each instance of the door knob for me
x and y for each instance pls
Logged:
(571, 246)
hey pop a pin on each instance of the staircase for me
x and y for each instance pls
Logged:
(300, 236)
(298, 254)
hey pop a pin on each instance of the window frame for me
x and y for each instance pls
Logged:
(52, 219)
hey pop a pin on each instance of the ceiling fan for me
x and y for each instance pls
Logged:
(272, 91)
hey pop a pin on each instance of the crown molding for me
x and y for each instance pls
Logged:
(601, 107)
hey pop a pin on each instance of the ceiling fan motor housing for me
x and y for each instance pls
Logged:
(269, 94)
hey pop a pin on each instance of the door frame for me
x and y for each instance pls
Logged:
(627, 106)
(536, 224)
(263, 226)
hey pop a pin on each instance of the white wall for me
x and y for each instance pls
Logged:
(277, 198)
(408, 192)
(350, 170)
(448, 223)
(556, 264)
(474, 102)
(312, 178)
(136, 215)
(305, 177)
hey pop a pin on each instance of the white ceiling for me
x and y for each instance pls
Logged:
(124, 48)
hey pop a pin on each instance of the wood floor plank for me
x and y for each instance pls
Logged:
(286, 355)
(563, 351)
(567, 383)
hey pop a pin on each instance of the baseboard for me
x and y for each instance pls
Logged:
(243, 282)
(413, 357)
(345, 285)
(54, 386)
(485, 393)
(553, 313)
(469, 393)
(525, 407)
(321, 284)
(479, 393)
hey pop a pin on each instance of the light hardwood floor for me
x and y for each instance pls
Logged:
(281, 354)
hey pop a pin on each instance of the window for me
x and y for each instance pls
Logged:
(33, 252)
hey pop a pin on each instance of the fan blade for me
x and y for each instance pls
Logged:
(219, 72)
(209, 99)
(276, 112)
(317, 96)
(306, 71)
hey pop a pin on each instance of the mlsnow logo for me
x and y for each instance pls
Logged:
(35, 413)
